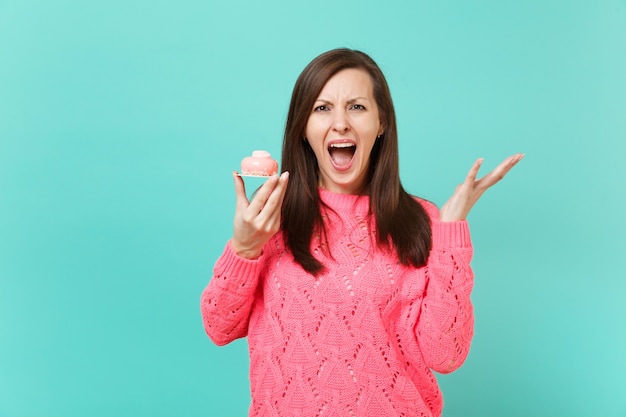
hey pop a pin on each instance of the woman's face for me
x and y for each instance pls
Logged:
(342, 129)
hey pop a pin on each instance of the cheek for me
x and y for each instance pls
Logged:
(368, 126)
(311, 130)
(315, 134)
(376, 126)
(369, 134)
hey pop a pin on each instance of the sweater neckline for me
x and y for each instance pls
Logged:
(339, 200)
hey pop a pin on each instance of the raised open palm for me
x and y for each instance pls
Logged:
(468, 193)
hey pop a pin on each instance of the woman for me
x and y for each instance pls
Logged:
(351, 291)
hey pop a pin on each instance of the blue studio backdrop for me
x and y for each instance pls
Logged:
(120, 125)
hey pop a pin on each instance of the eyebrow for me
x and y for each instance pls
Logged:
(352, 100)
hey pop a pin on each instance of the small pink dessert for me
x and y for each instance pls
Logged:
(260, 164)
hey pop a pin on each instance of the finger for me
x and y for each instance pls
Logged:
(500, 171)
(275, 202)
(282, 187)
(473, 172)
(263, 194)
(240, 191)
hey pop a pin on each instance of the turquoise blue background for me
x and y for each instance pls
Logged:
(121, 121)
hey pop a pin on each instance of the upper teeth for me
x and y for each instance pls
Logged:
(341, 145)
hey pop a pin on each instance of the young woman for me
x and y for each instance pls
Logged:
(351, 291)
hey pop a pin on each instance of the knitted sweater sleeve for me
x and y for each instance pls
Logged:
(227, 300)
(445, 324)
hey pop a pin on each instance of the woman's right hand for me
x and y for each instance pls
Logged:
(258, 220)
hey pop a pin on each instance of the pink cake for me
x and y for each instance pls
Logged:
(260, 164)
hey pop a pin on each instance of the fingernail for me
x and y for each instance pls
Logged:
(284, 175)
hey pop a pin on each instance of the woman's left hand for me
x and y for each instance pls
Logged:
(467, 194)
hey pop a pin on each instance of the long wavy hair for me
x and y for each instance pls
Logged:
(401, 221)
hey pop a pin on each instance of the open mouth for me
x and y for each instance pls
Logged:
(342, 153)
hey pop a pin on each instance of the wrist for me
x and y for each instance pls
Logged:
(449, 219)
(245, 252)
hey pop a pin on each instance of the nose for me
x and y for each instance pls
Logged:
(340, 122)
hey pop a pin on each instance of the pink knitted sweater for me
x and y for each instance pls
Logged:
(359, 340)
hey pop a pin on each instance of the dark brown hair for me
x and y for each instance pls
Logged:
(400, 220)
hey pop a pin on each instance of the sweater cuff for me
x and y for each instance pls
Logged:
(234, 265)
(451, 234)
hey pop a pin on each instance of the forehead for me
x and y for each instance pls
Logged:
(348, 83)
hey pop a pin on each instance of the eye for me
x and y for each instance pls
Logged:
(358, 107)
(321, 108)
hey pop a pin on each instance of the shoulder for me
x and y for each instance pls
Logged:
(431, 209)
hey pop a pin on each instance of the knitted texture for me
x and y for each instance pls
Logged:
(359, 340)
